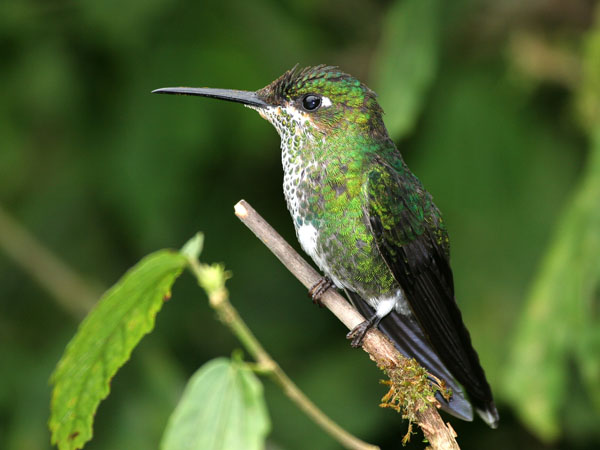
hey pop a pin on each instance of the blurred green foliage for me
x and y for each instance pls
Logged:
(102, 173)
(564, 295)
(403, 77)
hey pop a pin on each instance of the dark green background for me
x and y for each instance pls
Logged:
(102, 173)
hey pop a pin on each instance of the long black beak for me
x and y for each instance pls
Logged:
(232, 95)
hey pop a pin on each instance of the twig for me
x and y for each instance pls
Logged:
(219, 300)
(65, 285)
(380, 349)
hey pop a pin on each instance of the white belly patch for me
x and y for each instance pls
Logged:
(307, 235)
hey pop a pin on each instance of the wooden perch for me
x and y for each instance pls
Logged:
(441, 436)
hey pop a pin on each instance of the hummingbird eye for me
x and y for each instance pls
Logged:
(311, 102)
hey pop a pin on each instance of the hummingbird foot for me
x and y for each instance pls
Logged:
(358, 333)
(319, 288)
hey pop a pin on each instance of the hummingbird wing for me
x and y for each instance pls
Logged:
(410, 235)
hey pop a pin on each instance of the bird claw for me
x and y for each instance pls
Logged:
(357, 334)
(318, 289)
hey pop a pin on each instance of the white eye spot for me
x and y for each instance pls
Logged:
(325, 102)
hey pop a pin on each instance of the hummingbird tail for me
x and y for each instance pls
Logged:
(489, 414)
(407, 336)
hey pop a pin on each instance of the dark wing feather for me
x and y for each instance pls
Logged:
(410, 236)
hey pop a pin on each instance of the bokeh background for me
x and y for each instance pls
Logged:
(494, 104)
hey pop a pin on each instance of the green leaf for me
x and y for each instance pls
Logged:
(193, 247)
(406, 62)
(104, 342)
(222, 408)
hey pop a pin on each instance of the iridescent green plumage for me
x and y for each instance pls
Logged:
(329, 157)
(368, 223)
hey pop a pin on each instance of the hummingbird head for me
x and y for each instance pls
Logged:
(315, 101)
(321, 100)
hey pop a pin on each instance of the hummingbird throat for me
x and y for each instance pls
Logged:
(299, 139)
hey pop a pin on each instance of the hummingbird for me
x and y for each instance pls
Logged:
(368, 223)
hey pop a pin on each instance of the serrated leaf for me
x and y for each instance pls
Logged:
(222, 408)
(406, 62)
(104, 343)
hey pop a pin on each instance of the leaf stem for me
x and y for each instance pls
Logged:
(208, 278)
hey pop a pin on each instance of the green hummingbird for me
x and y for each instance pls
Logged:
(368, 223)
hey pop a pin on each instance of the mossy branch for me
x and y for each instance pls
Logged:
(411, 394)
